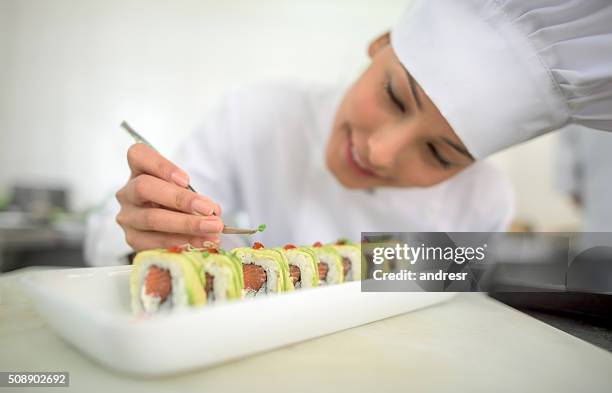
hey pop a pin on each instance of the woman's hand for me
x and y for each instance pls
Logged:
(156, 208)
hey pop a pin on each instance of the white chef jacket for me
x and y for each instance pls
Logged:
(261, 153)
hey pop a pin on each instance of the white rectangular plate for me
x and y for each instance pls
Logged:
(90, 308)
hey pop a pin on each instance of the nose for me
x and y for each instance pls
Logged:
(385, 144)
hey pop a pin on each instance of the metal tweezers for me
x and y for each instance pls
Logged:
(140, 139)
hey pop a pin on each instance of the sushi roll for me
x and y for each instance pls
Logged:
(266, 271)
(329, 265)
(163, 280)
(303, 270)
(351, 259)
(220, 273)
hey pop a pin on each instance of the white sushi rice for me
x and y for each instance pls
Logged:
(176, 298)
(221, 275)
(332, 276)
(269, 266)
(304, 263)
(354, 255)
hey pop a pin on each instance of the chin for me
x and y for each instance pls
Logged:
(343, 180)
(346, 183)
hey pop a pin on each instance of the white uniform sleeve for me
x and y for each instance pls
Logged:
(502, 202)
(210, 155)
(486, 200)
(207, 156)
(504, 217)
(104, 240)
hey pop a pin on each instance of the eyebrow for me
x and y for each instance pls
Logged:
(458, 148)
(413, 89)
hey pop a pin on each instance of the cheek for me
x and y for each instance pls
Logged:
(415, 170)
(362, 106)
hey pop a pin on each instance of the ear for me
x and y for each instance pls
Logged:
(380, 42)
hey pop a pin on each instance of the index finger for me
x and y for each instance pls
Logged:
(142, 159)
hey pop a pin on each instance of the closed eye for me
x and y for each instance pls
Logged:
(438, 157)
(396, 101)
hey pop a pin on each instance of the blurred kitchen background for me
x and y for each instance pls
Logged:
(72, 70)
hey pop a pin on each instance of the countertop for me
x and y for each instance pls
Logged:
(472, 344)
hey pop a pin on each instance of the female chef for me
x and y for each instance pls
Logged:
(452, 83)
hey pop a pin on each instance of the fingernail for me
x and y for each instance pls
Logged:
(209, 226)
(212, 238)
(180, 179)
(199, 206)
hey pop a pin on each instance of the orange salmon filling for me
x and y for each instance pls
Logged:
(158, 283)
(254, 277)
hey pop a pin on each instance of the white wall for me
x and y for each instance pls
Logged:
(71, 70)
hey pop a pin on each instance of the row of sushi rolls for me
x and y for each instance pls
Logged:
(179, 277)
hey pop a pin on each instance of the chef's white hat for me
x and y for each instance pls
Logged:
(504, 71)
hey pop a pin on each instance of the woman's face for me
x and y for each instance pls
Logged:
(388, 133)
